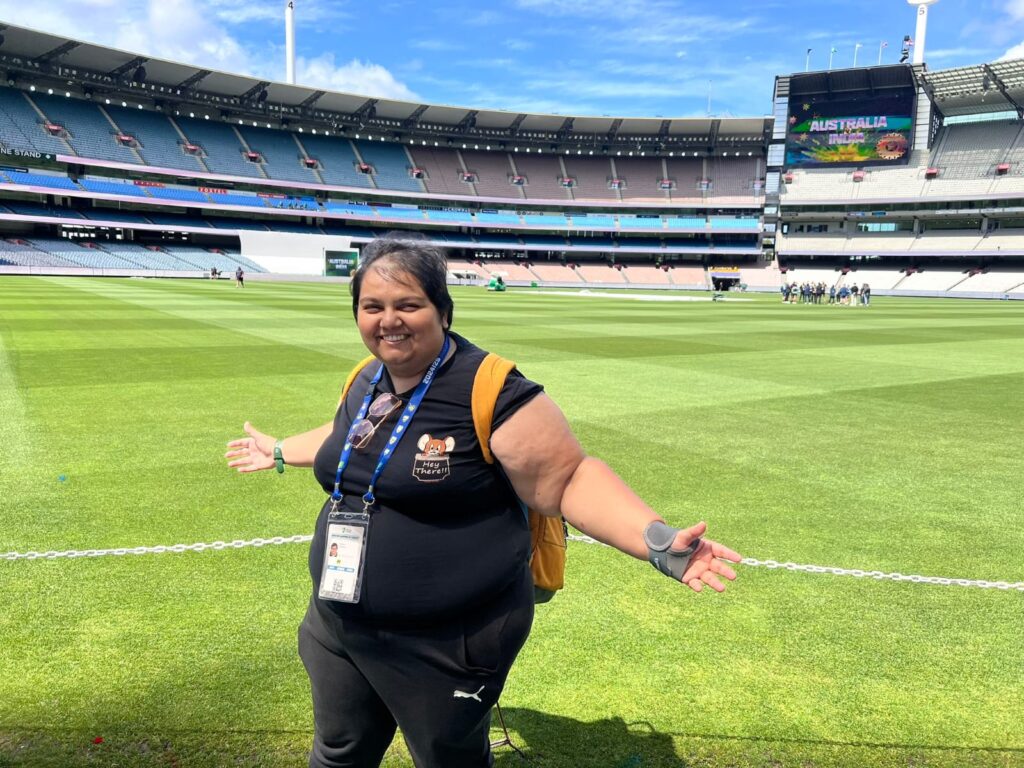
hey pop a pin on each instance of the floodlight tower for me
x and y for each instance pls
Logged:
(922, 27)
(289, 40)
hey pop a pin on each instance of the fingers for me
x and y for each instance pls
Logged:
(687, 535)
(712, 581)
(723, 570)
(706, 567)
(725, 553)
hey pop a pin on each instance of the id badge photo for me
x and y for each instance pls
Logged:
(344, 556)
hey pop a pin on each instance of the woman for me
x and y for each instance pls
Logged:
(420, 624)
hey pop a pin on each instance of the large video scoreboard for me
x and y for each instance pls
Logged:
(340, 263)
(857, 128)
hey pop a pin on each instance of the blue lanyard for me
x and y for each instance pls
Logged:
(396, 434)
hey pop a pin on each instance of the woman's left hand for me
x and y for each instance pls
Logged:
(706, 564)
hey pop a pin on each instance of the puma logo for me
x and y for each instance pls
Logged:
(464, 695)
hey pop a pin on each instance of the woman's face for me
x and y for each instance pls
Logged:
(398, 323)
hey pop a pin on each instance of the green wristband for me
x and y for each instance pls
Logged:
(278, 457)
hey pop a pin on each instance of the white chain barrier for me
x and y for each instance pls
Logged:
(857, 573)
(299, 539)
(157, 550)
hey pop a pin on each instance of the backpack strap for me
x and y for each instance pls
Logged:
(353, 375)
(490, 378)
(547, 534)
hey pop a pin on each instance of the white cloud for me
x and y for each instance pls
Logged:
(186, 31)
(356, 76)
(518, 44)
(1016, 52)
(1015, 8)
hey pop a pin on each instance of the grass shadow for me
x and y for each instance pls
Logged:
(547, 739)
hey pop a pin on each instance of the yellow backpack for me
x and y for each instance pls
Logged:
(547, 534)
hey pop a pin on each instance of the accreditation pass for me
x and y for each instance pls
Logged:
(342, 574)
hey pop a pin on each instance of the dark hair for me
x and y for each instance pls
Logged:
(407, 252)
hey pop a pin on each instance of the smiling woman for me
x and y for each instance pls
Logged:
(422, 594)
(402, 307)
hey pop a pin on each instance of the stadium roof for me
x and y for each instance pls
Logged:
(26, 54)
(978, 89)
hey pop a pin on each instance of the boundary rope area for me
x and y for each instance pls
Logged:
(157, 550)
(857, 573)
(299, 539)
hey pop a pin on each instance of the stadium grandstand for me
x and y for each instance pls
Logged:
(944, 221)
(119, 164)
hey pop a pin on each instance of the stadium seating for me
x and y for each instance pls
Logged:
(337, 160)
(442, 169)
(288, 203)
(593, 223)
(177, 193)
(400, 214)
(23, 253)
(542, 177)
(107, 187)
(686, 222)
(877, 278)
(687, 174)
(689, 277)
(159, 144)
(236, 199)
(647, 274)
(546, 221)
(761, 277)
(640, 222)
(734, 222)
(591, 175)
(350, 209)
(223, 152)
(82, 256)
(600, 273)
(972, 150)
(555, 273)
(39, 180)
(732, 180)
(495, 218)
(391, 165)
(995, 280)
(642, 176)
(281, 154)
(509, 270)
(455, 217)
(21, 125)
(90, 132)
(463, 265)
(493, 170)
(930, 280)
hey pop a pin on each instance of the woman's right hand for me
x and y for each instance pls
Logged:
(252, 453)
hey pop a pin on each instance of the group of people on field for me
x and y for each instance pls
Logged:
(814, 293)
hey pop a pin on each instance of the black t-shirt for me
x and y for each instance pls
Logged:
(447, 531)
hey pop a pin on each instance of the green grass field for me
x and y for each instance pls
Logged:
(888, 438)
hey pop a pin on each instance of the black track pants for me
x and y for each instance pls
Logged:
(437, 683)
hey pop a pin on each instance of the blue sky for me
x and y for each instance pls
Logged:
(597, 57)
